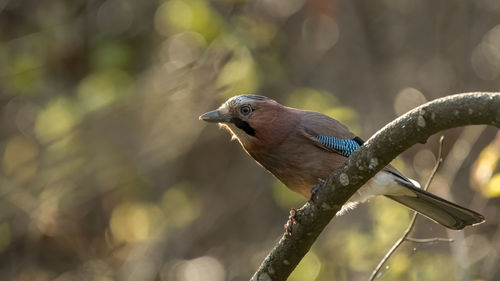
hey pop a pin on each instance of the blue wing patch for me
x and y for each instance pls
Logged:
(345, 147)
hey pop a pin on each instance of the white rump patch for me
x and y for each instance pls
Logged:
(381, 184)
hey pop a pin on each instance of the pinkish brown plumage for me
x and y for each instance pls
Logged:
(303, 147)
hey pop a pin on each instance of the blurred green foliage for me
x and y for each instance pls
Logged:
(486, 170)
(285, 198)
(107, 174)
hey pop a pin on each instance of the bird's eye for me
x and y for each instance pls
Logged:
(245, 110)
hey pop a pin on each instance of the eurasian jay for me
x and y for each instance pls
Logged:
(300, 147)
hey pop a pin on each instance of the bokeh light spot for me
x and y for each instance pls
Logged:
(357, 249)
(320, 32)
(111, 55)
(388, 215)
(436, 76)
(492, 188)
(56, 120)
(175, 13)
(136, 222)
(399, 264)
(181, 205)
(308, 268)
(312, 99)
(262, 31)
(180, 15)
(484, 173)
(424, 161)
(200, 269)
(485, 58)
(25, 74)
(285, 198)
(20, 158)
(239, 76)
(407, 99)
(183, 48)
(101, 89)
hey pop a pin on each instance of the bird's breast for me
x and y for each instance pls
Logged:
(298, 164)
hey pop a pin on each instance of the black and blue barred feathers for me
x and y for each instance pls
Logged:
(345, 147)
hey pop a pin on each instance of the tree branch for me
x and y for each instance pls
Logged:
(415, 126)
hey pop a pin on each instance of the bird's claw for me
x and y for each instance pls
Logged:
(291, 221)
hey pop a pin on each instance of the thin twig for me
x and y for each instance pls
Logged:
(428, 240)
(436, 166)
(404, 237)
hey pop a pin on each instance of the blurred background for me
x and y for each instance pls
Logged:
(106, 173)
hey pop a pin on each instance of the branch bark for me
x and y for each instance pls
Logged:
(397, 136)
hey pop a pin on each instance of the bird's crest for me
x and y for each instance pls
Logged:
(236, 100)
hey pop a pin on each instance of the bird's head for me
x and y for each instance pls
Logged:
(248, 117)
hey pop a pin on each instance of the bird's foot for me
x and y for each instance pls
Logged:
(291, 221)
(315, 188)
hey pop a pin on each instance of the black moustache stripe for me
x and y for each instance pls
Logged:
(243, 125)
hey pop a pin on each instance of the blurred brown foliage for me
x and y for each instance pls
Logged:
(107, 174)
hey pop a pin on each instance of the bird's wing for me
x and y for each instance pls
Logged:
(344, 147)
(328, 133)
(331, 135)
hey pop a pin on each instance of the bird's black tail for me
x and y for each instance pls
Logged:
(437, 209)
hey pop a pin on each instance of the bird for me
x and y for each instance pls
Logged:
(301, 148)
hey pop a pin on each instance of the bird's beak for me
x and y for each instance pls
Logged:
(214, 116)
